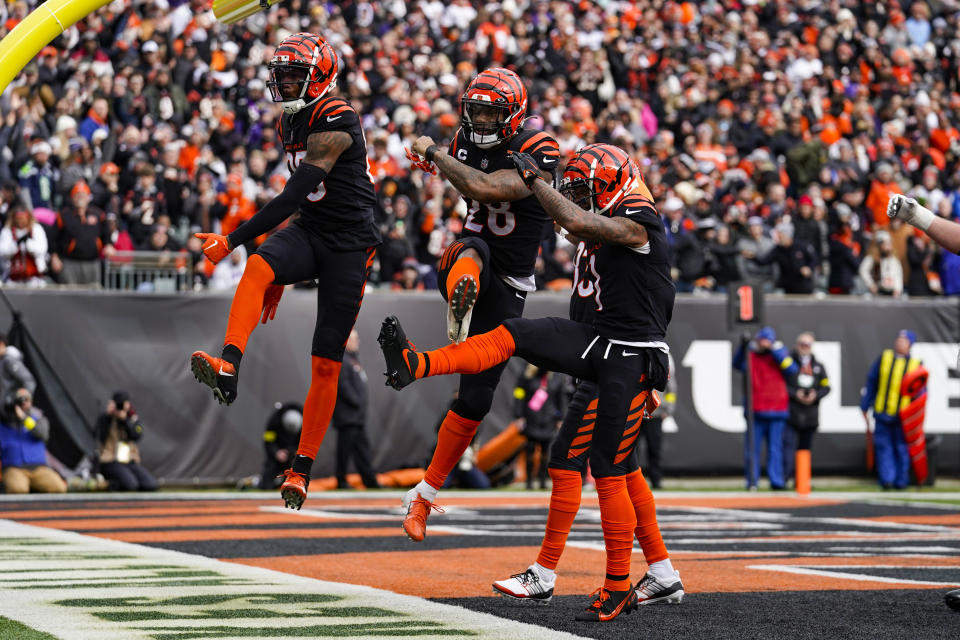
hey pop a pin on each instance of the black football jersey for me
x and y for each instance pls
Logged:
(341, 210)
(626, 292)
(512, 230)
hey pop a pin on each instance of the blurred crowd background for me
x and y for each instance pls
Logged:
(770, 132)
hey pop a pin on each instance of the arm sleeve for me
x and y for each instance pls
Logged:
(870, 391)
(788, 366)
(134, 429)
(41, 428)
(303, 181)
(20, 372)
(823, 384)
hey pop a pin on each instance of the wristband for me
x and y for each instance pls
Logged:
(431, 152)
(922, 217)
(29, 422)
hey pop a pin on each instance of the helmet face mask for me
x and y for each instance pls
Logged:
(579, 193)
(303, 69)
(493, 108)
(598, 177)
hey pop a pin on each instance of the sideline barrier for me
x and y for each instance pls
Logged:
(103, 341)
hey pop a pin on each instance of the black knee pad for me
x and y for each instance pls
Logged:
(473, 405)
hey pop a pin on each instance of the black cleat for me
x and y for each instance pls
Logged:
(607, 605)
(216, 373)
(399, 353)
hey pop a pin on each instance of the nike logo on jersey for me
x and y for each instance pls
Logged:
(224, 373)
(548, 160)
(630, 212)
(627, 354)
(520, 296)
(332, 118)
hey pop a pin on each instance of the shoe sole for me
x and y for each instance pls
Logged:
(293, 498)
(204, 373)
(672, 598)
(392, 338)
(460, 309)
(525, 599)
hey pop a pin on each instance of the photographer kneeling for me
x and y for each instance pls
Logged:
(23, 431)
(117, 432)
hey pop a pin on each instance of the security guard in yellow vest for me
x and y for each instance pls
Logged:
(882, 393)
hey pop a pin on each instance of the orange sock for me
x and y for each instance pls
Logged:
(619, 521)
(454, 437)
(318, 407)
(647, 531)
(248, 301)
(564, 503)
(473, 355)
(462, 267)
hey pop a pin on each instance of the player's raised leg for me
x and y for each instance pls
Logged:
(256, 297)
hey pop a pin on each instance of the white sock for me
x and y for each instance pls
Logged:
(547, 575)
(426, 491)
(662, 570)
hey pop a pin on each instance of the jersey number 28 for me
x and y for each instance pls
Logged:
(500, 220)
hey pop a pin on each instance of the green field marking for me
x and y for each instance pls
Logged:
(258, 599)
(387, 629)
(67, 585)
(13, 630)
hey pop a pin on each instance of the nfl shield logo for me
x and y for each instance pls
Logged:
(484, 163)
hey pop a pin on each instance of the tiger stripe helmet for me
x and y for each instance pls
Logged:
(598, 177)
(302, 70)
(501, 89)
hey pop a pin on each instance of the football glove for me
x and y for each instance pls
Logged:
(527, 167)
(271, 299)
(420, 163)
(214, 246)
(910, 211)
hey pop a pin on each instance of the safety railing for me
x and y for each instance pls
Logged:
(148, 271)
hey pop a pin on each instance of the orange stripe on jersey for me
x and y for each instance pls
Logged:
(581, 440)
(536, 139)
(625, 449)
(573, 453)
(315, 112)
(585, 428)
(631, 428)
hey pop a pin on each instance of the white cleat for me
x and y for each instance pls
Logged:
(460, 308)
(527, 586)
(650, 590)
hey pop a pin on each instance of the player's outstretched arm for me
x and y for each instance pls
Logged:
(323, 149)
(578, 222)
(499, 186)
(945, 233)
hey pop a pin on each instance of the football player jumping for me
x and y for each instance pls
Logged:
(485, 275)
(333, 240)
(602, 200)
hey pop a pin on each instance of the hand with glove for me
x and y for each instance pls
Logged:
(215, 246)
(271, 299)
(528, 169)
(910, 211)
(420, 163)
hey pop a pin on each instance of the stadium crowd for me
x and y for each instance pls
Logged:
(770, 132)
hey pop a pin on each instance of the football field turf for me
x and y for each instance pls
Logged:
(174, 566)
